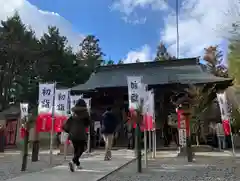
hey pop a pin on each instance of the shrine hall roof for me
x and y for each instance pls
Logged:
(184, 71)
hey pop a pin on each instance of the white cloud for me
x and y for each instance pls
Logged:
(201, 22)
(128, 6)
(134, 20)
(39, 20)
(143, 55)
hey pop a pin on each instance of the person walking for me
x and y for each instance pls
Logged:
(76, 126)
(130, 135)
(220, 136)
(109, 124)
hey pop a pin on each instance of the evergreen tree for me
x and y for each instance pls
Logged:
(162, 53)
(213, 57)
(27, 60)
(90, 54)
(120, 62)
(110, 62)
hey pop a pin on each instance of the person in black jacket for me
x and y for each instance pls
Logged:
(108, 127)
(76, 128)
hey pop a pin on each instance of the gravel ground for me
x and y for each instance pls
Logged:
(177, 169)
(10, 165)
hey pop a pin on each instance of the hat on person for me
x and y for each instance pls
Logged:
(80, 106)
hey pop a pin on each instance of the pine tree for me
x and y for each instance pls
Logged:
(90, 54)
(213, 57)
(162, 53)
(120, 62)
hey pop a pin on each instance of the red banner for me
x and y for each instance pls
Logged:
(179, 117)
(58, 123)
(226, 127)
(133, 119)
(44, 123)
(148, 122)
(187, 126)
(183, 121)
(22, 132)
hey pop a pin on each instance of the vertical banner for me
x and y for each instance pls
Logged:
(152, 109)
(134, 90)
(60, 108)
(61, 102)
(88, 103)
(135, 94)
(45, 107)
(226, 116)
(153, 124)
(145, 97)
(149, 110)
(45, 98)
(23, 116)
(182, 132)
(223, 105)
(24, 110)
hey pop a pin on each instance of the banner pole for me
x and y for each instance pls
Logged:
(153, 146)
(233, 147)
(90, 127)
(232, 139)
(145, 148)
(150, 140)
(52, 128)
(155, 143)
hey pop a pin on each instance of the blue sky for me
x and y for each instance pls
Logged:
(130, 29)
(116, 36)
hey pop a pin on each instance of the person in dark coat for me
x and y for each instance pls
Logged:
(76, 128)
(109, 124)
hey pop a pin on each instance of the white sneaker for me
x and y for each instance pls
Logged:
(79, 167)
(71, 166)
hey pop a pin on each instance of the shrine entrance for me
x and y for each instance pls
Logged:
(9, 118)
(165, 78)
(11, 133)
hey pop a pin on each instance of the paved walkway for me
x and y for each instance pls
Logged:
(94, 168)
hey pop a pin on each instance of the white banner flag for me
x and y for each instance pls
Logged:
(88, 102)
(146, 105)
(151, 103)
(24, 110)
(182, 137)
(152, 107)
(134, 91)
(45, 98)
(61, 102)
(73, 100)
(223, 105)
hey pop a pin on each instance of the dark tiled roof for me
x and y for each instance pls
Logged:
(185, 71)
